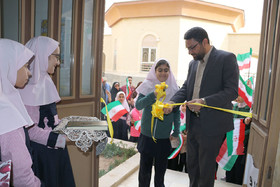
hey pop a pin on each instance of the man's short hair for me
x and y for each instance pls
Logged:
(129, 77)
(197, 33)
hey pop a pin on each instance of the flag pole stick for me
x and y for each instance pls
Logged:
(250, 63)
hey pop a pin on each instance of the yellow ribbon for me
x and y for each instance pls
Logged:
(110, 126)
(157, 107)
(246, 114)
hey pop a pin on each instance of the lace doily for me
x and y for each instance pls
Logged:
(83, 138)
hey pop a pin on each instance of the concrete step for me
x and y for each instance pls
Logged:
(126, 175)
(172, 179)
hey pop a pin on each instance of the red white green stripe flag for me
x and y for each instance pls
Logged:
(235, 138)
(128, 90)
(137, 125)
(245, 92)
(115, 110)
(182, 121)
(178, 149)
(223, 159)
(244, 60)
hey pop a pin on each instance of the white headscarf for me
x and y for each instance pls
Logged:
(13, 56)
(124, 103)
(40, 89)
(9, 123)
(151, 80)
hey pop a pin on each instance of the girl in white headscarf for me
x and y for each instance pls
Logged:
(14, 59)
(121, 126)
(149, 150)
(40, 96)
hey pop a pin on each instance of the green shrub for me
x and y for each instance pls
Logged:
(102, 172)
(120, 150)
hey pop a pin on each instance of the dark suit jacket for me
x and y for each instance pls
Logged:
(219, 86)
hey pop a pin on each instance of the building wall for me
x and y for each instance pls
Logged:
(241, 43)
(218, 36)
(123, 48)
(167, 20)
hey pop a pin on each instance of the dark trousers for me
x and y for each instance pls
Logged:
(183, 162)
(120, 130)
(103, 117)
(145, 170)
(133, 139)
(202, 153)
(178, 163)
(235, 175)
(173, 163)
(124, 131)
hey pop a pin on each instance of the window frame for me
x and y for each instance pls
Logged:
(72, 49)
(149, 58)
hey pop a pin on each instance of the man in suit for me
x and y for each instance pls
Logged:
(212, 80)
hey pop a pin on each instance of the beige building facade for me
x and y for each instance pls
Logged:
(143, 31)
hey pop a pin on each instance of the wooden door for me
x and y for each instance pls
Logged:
(264, 133)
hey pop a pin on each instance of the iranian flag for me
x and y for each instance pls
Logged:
(178, 149)
(235, 138)
(251, 79)
(115, 110)
(128, 90)
(137, 125)
(182, 121)
(244, 60)
(245, 92)
(223, 159)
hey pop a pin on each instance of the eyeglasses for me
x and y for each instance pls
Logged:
(57, 56)
(193, 47)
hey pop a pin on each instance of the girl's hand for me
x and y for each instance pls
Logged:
(169, 108)
(184, 137)
(155, 93)
(247, 121)
(173, 138)
(109, 96)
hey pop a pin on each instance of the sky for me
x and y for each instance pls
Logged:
(252, 10)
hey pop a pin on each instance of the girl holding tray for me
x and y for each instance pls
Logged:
(40, 97)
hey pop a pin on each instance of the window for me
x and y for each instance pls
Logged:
(149, 52)
(66, 52)
(10, 25)
(148, 58)
(41, 18)
(266, 90)
(87, 55)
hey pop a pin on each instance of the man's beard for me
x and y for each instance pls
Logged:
(199, 57)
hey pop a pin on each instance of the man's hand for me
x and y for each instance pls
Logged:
(169, 108)
(195, 108)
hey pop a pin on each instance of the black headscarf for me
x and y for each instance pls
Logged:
(114, 91)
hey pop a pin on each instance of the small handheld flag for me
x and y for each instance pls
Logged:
(245, 92)
(115, 110)
(128, 89)
(244, 60)
(137, 125)
(178, 149)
